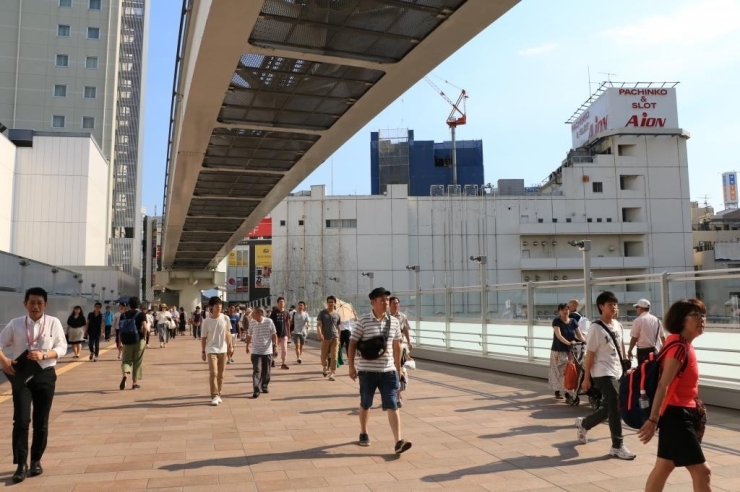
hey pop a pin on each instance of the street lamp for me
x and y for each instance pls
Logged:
(93, 291)
(371, 276)
(416, 269)
(104, 289)
(584, 246)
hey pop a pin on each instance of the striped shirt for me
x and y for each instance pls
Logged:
(367, 327)
(261, 334)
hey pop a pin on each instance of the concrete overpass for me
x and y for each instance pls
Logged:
(267, 90)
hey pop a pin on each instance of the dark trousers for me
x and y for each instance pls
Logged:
(643, 354)
(261, 374)
(93, 341)
(344, 341)
(39, 391)
(108, 329)
(609, 388)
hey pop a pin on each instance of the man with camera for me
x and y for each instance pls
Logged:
(377, 338)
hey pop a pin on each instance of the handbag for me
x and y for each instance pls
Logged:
(374, 348)
(699, 418)
(25, 370)
(625, 362)
(570, 376)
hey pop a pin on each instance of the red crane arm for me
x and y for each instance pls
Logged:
(453, 119)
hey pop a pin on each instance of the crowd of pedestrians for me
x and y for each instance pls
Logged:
(378, 350)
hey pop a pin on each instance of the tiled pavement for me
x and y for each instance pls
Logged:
(472, 430)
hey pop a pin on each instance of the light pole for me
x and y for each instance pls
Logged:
(104, 289)
(93, 292)
(416, 269)
(584, 246)
(54, 272)
(371, 276)
(482, 260)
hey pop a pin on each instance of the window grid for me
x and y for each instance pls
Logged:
(91, 62)
(62, 61)
(94, 5)
(63, 31)
(58, 121)
(88, 123)
(93, 33)
(65, 3)
(91, 92)
(60, 90)
(341, 223)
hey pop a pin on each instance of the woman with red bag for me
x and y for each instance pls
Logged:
(565, 334)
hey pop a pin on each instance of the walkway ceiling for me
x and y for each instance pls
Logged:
(269, 90)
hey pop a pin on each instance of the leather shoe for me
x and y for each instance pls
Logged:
(35, 469)
(20, 474)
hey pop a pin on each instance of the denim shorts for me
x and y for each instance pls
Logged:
(386, 382)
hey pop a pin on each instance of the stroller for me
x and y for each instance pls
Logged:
(578, 352)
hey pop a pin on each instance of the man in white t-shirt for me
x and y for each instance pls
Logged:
(646, 333)
(299, 329)
(604, 354)
(216, 342)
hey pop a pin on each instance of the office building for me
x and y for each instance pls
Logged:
(79, 66)
(424, 166)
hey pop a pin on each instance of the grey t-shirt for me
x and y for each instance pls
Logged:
(330, 323)
(300, 323)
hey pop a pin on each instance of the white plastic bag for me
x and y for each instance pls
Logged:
(410, 364)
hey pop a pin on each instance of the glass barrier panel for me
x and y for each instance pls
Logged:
(546, 300)
(433, 305)
(466, 336)
(721, 296)
(432, 334)
(465, 304)
(543, 336)
(507, 304)
(507, 338)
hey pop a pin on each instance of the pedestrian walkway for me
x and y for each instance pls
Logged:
(472, 430)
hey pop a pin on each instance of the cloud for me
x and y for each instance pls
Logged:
(542, 49)
(696, 24)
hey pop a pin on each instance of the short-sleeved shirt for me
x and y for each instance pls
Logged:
(330, 324)
(108, 318)
(96, 323)
(76, 321)
(575, 315)
(116, 319)
(403, 321)
(367, 327)
(300, 324)
(234, 319)
(685, 387)
(261, 334)
(214, 330)
(567, 330)
(47, 333)
(197, 318)
(646, 329)
(607, 357)
(280, 320)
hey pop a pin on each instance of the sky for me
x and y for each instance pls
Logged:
(525, 75)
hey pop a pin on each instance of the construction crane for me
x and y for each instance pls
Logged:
(458, 116)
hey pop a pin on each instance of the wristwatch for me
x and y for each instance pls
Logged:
(45, 355)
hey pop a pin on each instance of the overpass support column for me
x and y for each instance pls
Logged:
(190, 283)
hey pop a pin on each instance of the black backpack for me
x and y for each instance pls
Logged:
(127, 330)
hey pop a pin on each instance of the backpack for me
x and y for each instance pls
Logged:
(127, 330)
(637, 388)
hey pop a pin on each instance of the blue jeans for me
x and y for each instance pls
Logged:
(386, 382)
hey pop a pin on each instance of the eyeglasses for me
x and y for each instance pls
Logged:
(697, 316)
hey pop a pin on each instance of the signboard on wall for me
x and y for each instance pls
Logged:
(262, 265)
(626, 107)
(729, 189)
(263, 229)
(232, 258)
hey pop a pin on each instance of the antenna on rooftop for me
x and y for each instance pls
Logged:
(608, 76)
(706, 200)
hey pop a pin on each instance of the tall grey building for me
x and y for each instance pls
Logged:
(79, 66)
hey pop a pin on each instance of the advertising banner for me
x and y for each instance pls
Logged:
(263, 229)
(262, 265)
(232, 258)
(626, 107)
(729, 189)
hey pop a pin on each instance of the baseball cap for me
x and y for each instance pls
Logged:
(643, 303)
(378, 292)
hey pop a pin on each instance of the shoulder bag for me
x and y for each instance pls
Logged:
(626, 363)
(374, 348)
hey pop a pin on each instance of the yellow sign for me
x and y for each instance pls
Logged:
(232, 258)
(263, 255)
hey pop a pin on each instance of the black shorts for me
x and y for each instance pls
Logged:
(677, 441)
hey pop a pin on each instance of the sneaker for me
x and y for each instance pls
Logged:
(402, 446)
(331, 377)
(300, 361)
(582, 437)
(325, 372)
(622, 453)
(265, 390)
(231, 361)
(219, 399)
(364, 440)
(214, 402)
(228, 361)
(284, 367)
(122, 386)
(272, 364)
(135, 387)
(256, 394)
(95, 359)
(91, 356)
(400, 404)
(558, 396)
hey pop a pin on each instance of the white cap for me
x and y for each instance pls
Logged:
(643, 303)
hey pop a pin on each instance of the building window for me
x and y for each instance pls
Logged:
(554, 220)
(91, 92)
(589, 220)
(608, 219)
(568, 219)
(540, 221)
(62, 31)
(630, 182)
(91, 62)
(598, 187)
(88, 123)
(60, 90)
(300, 222)
(65, 3)
(94, 5)
(598, 220)
(62, 61)
(93, 33)
(282, 223)
(57, 121)
(341, 224)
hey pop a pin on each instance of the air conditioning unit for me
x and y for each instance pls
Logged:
(612, 247)
(543, 242)
(554, 243)
(526, 278)
(536, 278)
(565, 277)
(555, 277)
(534, 243)
(524, 243)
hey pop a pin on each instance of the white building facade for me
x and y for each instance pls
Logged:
(624, 188)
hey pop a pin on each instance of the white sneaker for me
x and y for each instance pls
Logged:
(582, 437)
(219, 399)
(622, 453)
(215, 401)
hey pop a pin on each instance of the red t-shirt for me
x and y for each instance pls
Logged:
(685, 386)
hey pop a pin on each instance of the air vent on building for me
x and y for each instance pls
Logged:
(534, 243)
(524, 243)
(555, 277)
(526, 278)
(536, 278)
(565, 277)
(554, 243)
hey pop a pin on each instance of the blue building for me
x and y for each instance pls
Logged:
(421, 164)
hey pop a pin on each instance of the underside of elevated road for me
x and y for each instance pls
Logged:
(267, 90)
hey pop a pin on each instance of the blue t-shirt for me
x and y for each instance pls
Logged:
(234, 318)
(567, 330)
(108, 318)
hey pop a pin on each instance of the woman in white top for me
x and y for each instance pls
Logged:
(164, 321)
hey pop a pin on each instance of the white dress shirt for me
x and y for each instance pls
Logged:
(15, 336)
